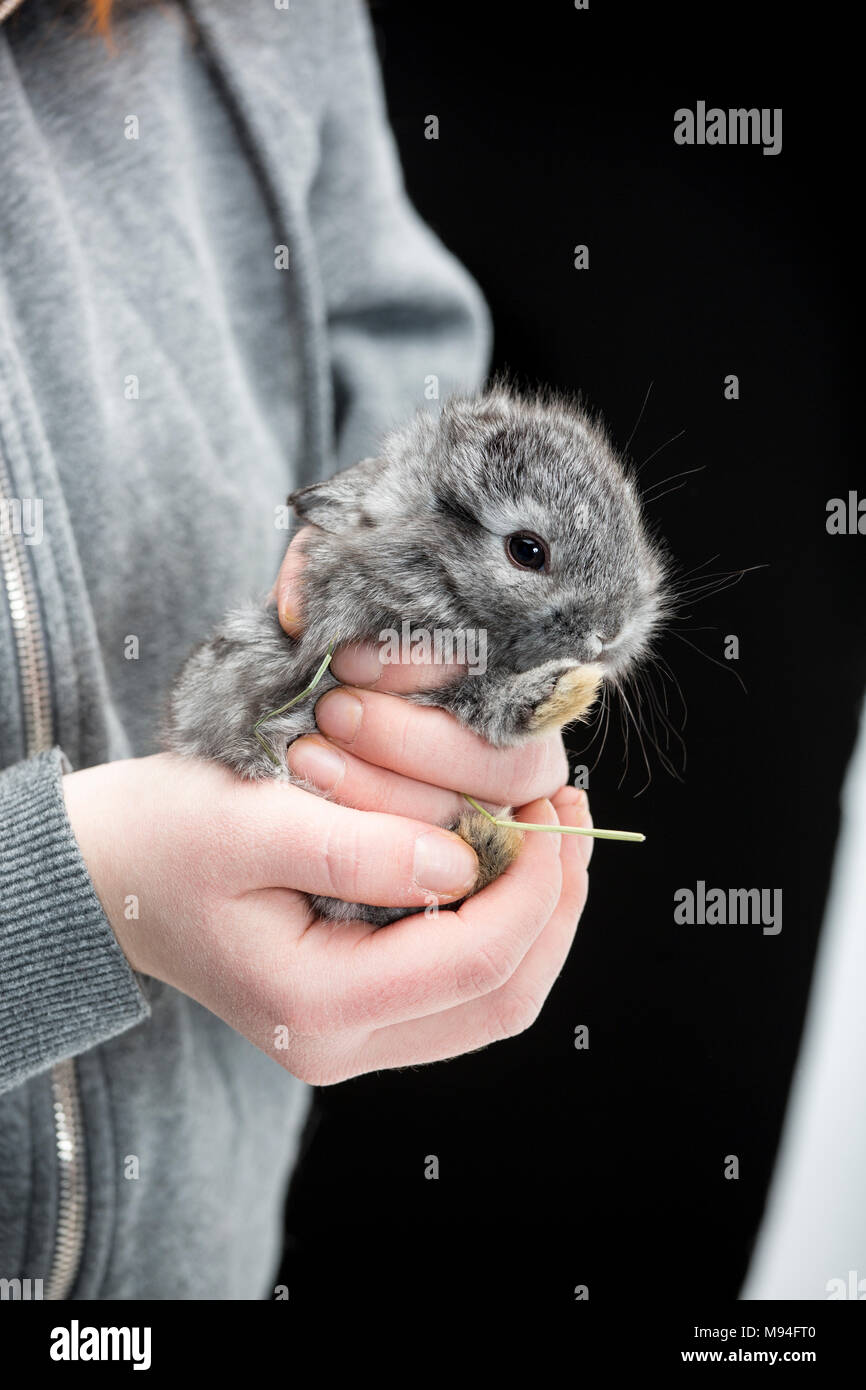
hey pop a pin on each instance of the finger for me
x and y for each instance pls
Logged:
(282, 836)
(573, 803)
(416, 739)
(352, 782)
(506, 1011)
(363, 664)
(287, 589)
(427, 963)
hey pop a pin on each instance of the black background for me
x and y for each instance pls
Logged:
(605, 1167)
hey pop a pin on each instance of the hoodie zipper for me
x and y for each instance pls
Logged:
(36, 703)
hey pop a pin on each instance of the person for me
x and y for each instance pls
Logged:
(214, 289)
(811, 1244)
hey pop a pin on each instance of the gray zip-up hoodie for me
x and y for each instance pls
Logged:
(212, 289)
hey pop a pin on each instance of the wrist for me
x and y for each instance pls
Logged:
(91, 805)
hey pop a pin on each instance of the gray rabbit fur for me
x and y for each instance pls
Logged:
(421, 533)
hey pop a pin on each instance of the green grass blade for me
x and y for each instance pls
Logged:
(308, 690)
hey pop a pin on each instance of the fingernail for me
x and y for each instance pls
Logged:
(316, 762)
(290, 620)
(551, 818)
(444, 864)
(582, 799)
(586, 841)
(338, 714)
(357, 665)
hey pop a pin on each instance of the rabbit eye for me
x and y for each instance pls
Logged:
(527, 551)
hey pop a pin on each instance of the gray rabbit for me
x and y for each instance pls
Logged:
(508, 516)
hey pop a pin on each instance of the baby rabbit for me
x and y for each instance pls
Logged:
(509, 518)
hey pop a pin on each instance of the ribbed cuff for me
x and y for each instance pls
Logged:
(65, 984)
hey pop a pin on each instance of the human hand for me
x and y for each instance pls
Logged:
(220, 868)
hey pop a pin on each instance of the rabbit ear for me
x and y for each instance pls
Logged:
(337, 503)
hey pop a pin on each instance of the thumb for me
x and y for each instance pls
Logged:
(286, 590)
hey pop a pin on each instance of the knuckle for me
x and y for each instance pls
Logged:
(485, 970)
(545, 769)
(531, 772)
(512, 1012)
(401, 732)
(549, 893)
(542, 888)
(388, 731)
(569, 800)
(340, 859)
(373, 789)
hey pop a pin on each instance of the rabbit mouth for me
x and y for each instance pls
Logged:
(573, 695)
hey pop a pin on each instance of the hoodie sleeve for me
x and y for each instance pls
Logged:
(65, 984)
(401, 309)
